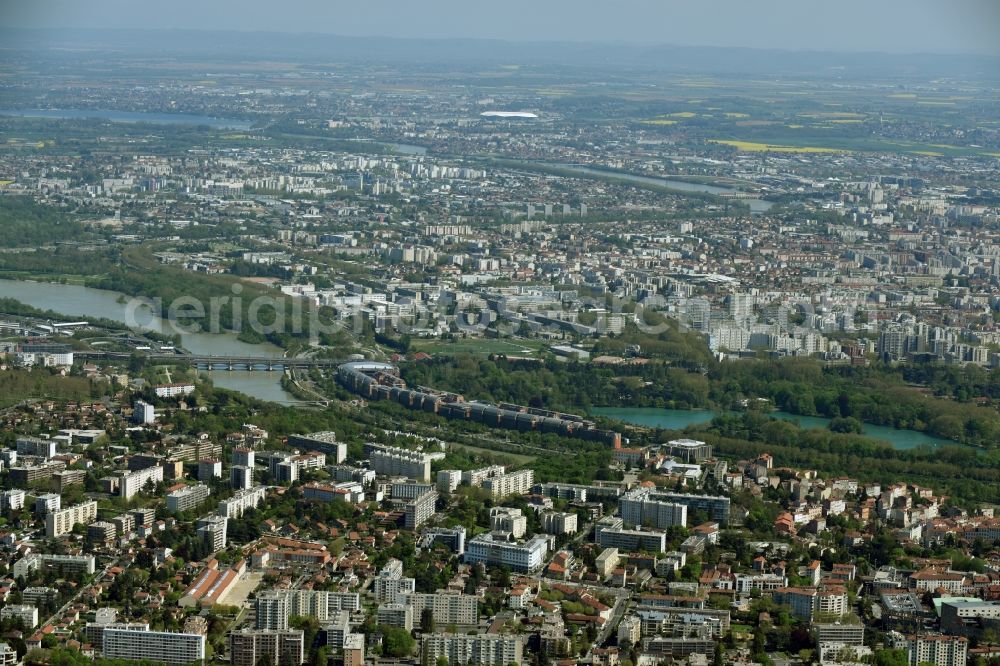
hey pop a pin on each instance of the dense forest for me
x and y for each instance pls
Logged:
(16, 386)
(58, 262)
(959, 472)
(258, 313)
(28, 224)
(880, 394)
(568, 386)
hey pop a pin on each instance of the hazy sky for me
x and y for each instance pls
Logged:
(898, 26)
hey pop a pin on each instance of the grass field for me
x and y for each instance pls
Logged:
(479, 346)
(753, 146)
(790, 143)
(518, 458)
(64, 278)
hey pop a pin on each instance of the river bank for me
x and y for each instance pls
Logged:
(89, 303)
(679, 419)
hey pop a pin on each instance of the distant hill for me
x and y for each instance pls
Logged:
(681, 59)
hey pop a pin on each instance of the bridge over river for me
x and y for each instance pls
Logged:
(203, 362)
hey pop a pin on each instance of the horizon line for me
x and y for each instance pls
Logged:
(501, 40)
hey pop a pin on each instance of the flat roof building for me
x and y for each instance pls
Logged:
(491, 551)
(689, 450)
(187, 498)
(162, 646)
(249, 647)
(61, 522)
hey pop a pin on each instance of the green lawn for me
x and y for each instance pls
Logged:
(480, 346)
(518, 458)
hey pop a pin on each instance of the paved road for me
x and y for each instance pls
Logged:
(59, 613)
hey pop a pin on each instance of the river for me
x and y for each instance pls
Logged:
(756, 205)
(407, 148)
(131, 117)
(84, 302)
(678, 419)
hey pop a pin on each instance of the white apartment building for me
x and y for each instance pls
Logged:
(515, 483)
(936, 649)
(505, 519)
(392, 461)
(47, 503)
(805, 602)
(187, 498)
(12, 500)
(235, 506)
(526, 556)
(61, 522)
(481, 649)
(34, 446)
(642, 507)
(130, 483)
(460, 609)
(173, 390)
(143, 412)
(212, 529)
(274, 607)
(250, 647)
(448, 480)
(28, 615)
(556, 522)
(161, 646)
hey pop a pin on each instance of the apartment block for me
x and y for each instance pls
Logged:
(212, 530)
(130, 483)
(448, 480)
(101, 532)
(556, 522)
(161, 646)
(274, 607)
(61, 522)
(187, 498)
(936, 649)
(526, 556)
(805, 602)
(61, 564)
(392, 461)
(611, 533)
(34, 446)
(324, 442)
(209, 469)
(240, 477)
(419, 510)
(515, 483)
(354, 650)
(647, 508)
(396, 615)
(481, 649)
(460, 609)
(717, 507)
(249, 647)
(235, 506)
(28, 615)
